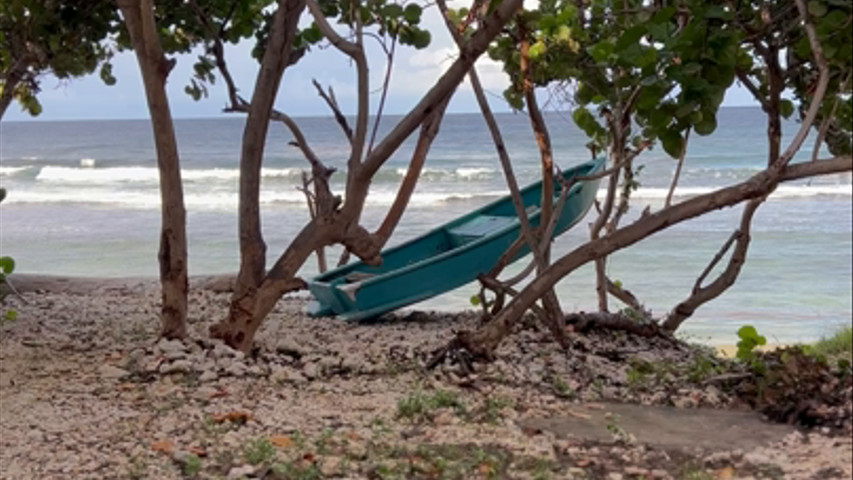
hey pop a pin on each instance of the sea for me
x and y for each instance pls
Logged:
(83, 200)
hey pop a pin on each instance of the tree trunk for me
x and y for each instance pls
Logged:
(236, 329)
(139, 19)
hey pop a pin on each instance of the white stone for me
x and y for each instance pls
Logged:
(240, 472)
(110, 371)
(179, 366)
(208, 376)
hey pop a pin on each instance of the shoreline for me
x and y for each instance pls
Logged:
(223, 283)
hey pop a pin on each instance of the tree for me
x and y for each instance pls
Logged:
(672, 65)
(65, 39)
(336, 220)
(143, 36)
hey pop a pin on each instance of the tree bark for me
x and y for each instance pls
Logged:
(237, 325)
(139, 19)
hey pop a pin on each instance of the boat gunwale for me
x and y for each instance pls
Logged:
(593, 165)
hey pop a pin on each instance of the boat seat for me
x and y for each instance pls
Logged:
(478, 227)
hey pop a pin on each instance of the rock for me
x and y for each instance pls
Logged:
(221, 351)
(110, 371)
(240, 472)
(311, 371)
(203, 393)
(295, 377)
(657, 473)
(330, 466)
(278, 374)
(256, 371)
(236, 369)
(616, 476)
(208, 376)
(179, 366)
(169, 346)
(176, 355)
(288, 346)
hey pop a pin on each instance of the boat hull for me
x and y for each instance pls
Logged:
(445, 258)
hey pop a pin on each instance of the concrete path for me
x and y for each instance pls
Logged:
(667, 427)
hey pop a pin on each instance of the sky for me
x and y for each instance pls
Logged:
(414, 73)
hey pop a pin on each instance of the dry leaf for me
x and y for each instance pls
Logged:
(486, 470)
(165, 446)
(198, 451)
(727, 473)
(281, 441)
(219, 393)
(236, 417)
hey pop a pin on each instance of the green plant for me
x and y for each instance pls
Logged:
(258, 451)
(838, 344)
(192, 465)
(292, 471)
(493, 406)
(418, 406)
(749, 341)
(562, 389)
(702, 367)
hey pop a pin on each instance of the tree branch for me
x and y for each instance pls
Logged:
(336, 111)
(701, 295)
(484, 341)
(677, 173)
(492, 25)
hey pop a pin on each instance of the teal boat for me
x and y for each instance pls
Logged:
(445, 258)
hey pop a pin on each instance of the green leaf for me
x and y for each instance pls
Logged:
(475, 300)
(412, 13)
(786, 108)
(536, 50)
(706, 125)
(601, 50)
(817, 8)
(107, 74)
(672, 143)
(7, 265)
(630, 37)
(392, 10)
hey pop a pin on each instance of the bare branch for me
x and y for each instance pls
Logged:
(351, 49)
(625, 296)
(428, 132)
(491, 25)
(701, 295)
(333, 104)
(385, 85)
(677, 173)
(484, 341)
(819, 91)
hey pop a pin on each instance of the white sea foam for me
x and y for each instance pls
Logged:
(88, 162)
(471, 173)
(59, 175)
(215, 200)
(9, 171)
(783, 191)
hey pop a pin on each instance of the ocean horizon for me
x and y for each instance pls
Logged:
(83, 200)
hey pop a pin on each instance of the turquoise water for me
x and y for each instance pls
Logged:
(83, 200)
